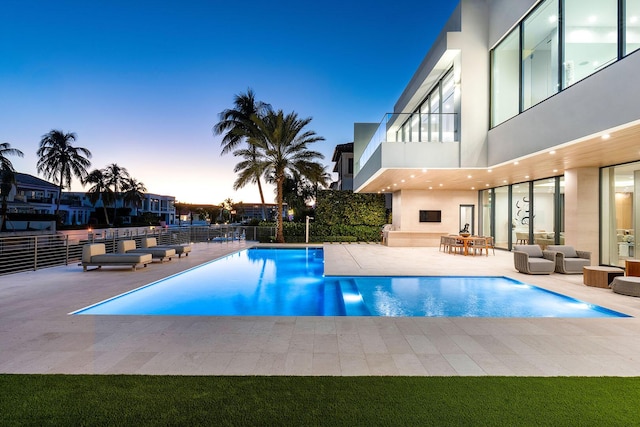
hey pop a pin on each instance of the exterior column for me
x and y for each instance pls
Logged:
(582, 206)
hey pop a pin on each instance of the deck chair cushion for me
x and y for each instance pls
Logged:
(567, 251)
(533, 251)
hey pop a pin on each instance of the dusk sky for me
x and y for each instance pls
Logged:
(141, 82)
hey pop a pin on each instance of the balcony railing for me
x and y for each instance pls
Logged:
(415, 127)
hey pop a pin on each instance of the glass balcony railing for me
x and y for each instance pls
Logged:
(416, 127)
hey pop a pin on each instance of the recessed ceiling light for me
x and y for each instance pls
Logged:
(606, 136)
(490, 170)
(430, 188)
(505, 181)
(424, 170)
(441, 185)
(486, 185)
(552, 152)
(402, 180)
(469, 176)
(555, 170)
(395, 185)
(473, 188)
(413, 176)
(516, 163)
(526, 176)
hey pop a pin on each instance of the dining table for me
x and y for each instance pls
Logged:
(466, 242)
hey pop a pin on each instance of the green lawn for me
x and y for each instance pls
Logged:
(294, 401)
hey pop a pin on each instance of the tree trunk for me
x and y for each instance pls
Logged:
(279, 226)
(264, 212)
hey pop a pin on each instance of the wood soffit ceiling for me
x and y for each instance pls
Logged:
(622, 146)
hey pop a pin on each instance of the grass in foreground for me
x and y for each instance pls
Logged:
(350, 401)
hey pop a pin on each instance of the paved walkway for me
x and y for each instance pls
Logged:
(38, 336)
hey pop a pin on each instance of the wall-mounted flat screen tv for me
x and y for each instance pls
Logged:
(430, 216)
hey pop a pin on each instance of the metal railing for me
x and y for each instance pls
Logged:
(33, 252)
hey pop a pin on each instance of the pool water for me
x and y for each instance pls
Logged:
(290, 282)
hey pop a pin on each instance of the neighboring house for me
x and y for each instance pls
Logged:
(523, 117)
(343, 158)
(31, 194)
(77, 208)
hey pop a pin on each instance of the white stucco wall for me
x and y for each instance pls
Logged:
(408, 203)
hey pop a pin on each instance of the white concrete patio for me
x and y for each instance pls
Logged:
(37, 335)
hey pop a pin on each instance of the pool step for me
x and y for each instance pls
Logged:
(353, 302)
(333, 305)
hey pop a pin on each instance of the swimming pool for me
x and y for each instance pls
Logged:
(290, 282)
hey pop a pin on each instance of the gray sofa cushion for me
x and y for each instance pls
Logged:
(541, 265)
(568, 251)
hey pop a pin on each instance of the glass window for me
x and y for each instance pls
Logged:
(544, 208)
(540, 54)
(619, 213)
(485, 227)
(520, 212)
(435, 115)
(448, 108)
(632, 22)
(503, 223)
(505, 76)
(415, 127)
(424, 120)
(590, 36)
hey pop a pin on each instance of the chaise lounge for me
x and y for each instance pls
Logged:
(530, 259)
(95, 254)
(151, 242)
(129, 247)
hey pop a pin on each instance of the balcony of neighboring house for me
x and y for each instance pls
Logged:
(406, 141)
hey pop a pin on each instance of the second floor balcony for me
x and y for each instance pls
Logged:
(423, 128)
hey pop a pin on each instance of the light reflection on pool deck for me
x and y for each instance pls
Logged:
(290, 282)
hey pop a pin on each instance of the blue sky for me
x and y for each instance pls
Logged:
(141, 83)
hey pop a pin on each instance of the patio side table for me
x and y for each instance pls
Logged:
(600, 276)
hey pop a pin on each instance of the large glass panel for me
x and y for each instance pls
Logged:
(590, 36)
(505, 79)
(632, 22)
(544, 208)
(521, 212)
(424, 121)
(503, 222)
(448, 108)
(434, 116)
(415, 127)
(620, 213)
(485, 227)
(540, 54)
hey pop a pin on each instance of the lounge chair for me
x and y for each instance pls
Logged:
(530, 259)
(152, 242)
(568, 260)
(95, 254)
(129, 247)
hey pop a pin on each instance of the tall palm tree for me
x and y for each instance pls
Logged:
(6, 150)
(116, 176)
(283, 143)
(236, 125)
(133, 192)
(59, 160)
(99, 190)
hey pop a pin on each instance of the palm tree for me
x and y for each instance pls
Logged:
(133, 192)
(99, 190)
(59, 160)
(6, 150)
(115, 176)
(283, 143)
(237, 127)
(7, 178)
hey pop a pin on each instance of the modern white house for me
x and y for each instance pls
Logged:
(343, 159)
(522, 120)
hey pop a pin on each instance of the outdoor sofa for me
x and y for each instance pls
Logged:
(129, 247)
(151, 242)
(95, 254)
(530, 259)
(569, 260)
